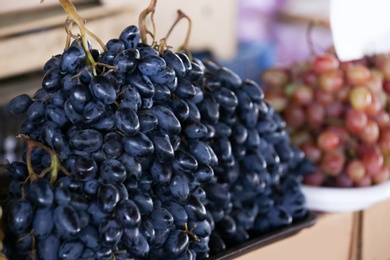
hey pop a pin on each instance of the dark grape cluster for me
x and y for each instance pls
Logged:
(256, 184)
(146, 155)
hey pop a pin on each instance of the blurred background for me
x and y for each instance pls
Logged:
(247, 36)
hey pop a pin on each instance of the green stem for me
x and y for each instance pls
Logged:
(142, 21)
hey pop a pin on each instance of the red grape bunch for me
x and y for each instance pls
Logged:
(338, 114)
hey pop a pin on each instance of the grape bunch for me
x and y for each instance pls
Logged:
(114, 162)
(338, 114)
(140, 152)
(256, 184)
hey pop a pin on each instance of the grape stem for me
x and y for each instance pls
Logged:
(74, 17)
(142, 22)
(309, 32)
(180, 16)
(54, 167)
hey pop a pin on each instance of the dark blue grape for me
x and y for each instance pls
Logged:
(41, 194)
(56, 114)
(48, 247)
(17, 170)
(138, 145)
(226, 98)
(185, 89)
(97, 215)
(78, 202)
(161, 218)
(196, 72)
(141, 247)
(19, 104)
(203, 153)
(127, 60)
(175, 62)
(166, 76)
(161, 173)
(112, 171)
(71, 113)
(179, 188)
(147, 121)
(51, 80)
(180, 109)
(79, 96)
(163, 149)
(43, 222)
(195, 209)
(72, 59)
(179, 214)
(147, 50)
(126, 120)
(209, 109)
(253, 90)
(91, 188)
(177, 243)
(88, 140)
(85, 169)
(36, 111)
(204, 173)
(160, 236)
(143, 201)
(142, 82)
(228, 78)
(110, 232)
(147, 230)
(90, 237)
(20, 216)
(66, 220)
(130, 36)
(115, 45)
(151, 65)
(128, 214)
(72, 249)
(108, 197)
(102, 89)
(53, 62)
(24, 244)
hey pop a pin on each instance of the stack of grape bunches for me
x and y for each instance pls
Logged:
(338, 114)
(148, 154)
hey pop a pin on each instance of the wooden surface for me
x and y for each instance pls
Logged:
(331, 238)
(28, 52)
(375, 243)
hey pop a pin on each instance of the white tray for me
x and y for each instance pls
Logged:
(344, 199)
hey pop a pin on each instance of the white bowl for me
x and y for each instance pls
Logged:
(344, 199)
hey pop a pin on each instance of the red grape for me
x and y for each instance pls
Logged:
(382, 176)
(358, 74)
(325, 62)
(294, 116)
(275, 77)
(332, 162)
(373, 160)
(315, 114)
(331, 81)
(311, 151)
(355, 170)
(364, 182)
(343, 181)
(323, 97)
(360, 97)
(328, 141)
(355, 120)
(314, 179)
(302, 95)
(370, 133)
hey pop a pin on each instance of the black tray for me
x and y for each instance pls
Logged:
(271, 237)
